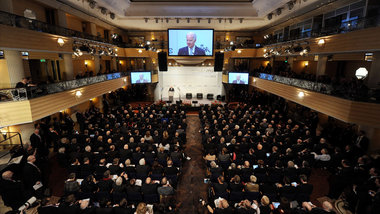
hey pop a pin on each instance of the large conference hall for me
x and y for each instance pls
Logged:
(182, 107)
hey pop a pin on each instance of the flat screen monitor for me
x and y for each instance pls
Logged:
(191, 42)
(238, 78)
(140, 77)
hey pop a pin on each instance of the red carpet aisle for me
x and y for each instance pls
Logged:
(191, 187)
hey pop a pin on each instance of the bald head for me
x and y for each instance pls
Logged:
(7, 175)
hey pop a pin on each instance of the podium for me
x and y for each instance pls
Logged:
(171, 94)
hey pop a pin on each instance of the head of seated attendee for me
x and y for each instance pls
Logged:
(165, 189)
(252, 186)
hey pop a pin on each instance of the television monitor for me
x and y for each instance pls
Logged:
(191, 42)
(238, 78)
(141, 77)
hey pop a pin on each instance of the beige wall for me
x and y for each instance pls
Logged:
(74, 23)
(5, 81)
(19, 6)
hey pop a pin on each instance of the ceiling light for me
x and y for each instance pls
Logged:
(78, 94)
(140, 51)
(148, 42)
(60, 42)
(278, 11)
(231, 43)
(361, 73)
(239, 51)
(92, 4)
(112, 15)
(270, 16)
(306, 63)
(170, 63)
(222, 51)
(301, 94)
(103, 10)
(290, 5)
(321, 42)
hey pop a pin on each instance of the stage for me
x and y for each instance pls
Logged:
(194, 102)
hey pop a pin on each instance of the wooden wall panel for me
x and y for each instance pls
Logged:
(12, 113)
(134, 52)
(225, 78)
(154, 78)
(22, 39)
(43, 55)
(346, 110)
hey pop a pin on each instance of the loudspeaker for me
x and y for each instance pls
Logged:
(162, 61)
(218, 64)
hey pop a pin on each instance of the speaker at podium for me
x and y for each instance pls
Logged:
(171, 93)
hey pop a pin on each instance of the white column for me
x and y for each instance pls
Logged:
(373, 78)
(68, 64)
(15, 66)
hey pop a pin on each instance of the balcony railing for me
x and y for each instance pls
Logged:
(20, 94)
(35, 25)
(341, 27)
(341, 90)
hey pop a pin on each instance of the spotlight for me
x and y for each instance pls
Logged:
(231, 43)
(290, 5)
(301, 94)
(103, 10)
(199, 20)
(92, 4)
(230, 20)
(239, 51)
(278, 11)
(220, 20)
(140, 51)
(167, 20)
(209, 20)
(146, 20)
(270, 16)
(177, 20)
(156, 20)
(112, 15)
(188, 20)
(114, 36)
(241, 20)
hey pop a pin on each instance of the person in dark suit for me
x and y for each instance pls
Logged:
(37, 143)
(11, 191)
(191, 49)
(238, 80)
(362, 142)
(31, 174)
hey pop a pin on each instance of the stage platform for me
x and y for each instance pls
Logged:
(190, 101)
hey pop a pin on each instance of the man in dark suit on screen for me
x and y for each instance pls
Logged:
(238, 80)
(141, 79)
(191, 49)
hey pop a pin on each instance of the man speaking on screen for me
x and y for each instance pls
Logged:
(238, 80)
(191, 49)
(141, 79)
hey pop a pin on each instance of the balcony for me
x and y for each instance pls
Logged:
(347, 110)
(19, 105)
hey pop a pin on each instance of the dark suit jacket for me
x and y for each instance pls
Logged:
(30, 175)
(241, 82)
(185, 51)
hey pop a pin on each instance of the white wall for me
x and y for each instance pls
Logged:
(189, 79)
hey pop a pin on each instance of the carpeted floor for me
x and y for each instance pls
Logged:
(192, 187)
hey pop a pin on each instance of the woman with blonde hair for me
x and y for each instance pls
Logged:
(142, 209)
